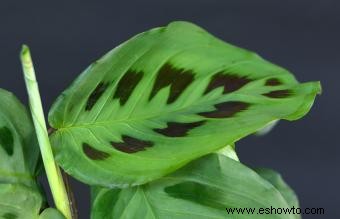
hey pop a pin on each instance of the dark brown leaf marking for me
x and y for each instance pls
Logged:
(178, 78)
(95, 95)
(93, 153)
(6, 140)
(229, 82)
(273, 82)
(176, 129)
(226, 109)
(131, 145)
(278, 94)
(126, 85)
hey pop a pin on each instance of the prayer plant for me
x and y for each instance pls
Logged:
(151, 127)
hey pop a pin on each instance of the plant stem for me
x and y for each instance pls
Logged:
(54, 177)
(72, 200)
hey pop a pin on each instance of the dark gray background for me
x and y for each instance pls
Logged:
(302, 36)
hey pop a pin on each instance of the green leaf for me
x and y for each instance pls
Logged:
(19, 151)
(18, 201)
(20, 195)
(276, 180)
(51, 213)
(164, 98)
(202, 189)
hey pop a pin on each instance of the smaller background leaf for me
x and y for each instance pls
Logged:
(201, 190)
(19, 151)
(20, 195)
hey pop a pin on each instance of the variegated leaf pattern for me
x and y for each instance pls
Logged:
(201, 190)
(166, 97)
(20, 195)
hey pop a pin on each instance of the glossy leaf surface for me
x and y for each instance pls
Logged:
(163, 99)
(201, 190)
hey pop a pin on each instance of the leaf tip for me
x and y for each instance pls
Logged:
(24, 50)
(25, 55)
(319, 87)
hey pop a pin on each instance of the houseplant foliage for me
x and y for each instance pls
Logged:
(147, 125)
(20, 194)
(202, 189)
(166, 97)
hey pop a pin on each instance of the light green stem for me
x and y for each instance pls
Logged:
(52, 170)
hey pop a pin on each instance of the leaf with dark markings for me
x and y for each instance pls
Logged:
(228, 81)
(164, 98)
(95, 95)
(19, 151)
(126, 86)
(226, 109)
(273, 82)
(94, 154)
(176, 129)
(131, 145)
(20, 195)
(177, 78)
(6, 140)
(201, 190)
(278, 94)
